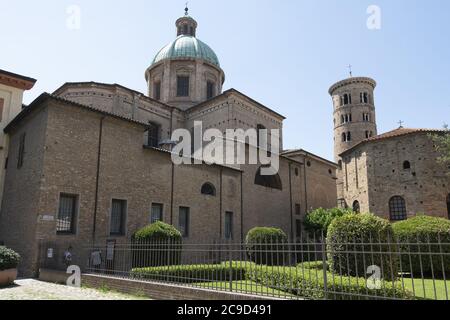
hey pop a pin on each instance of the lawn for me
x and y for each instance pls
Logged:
(246, 287)
(428, 289)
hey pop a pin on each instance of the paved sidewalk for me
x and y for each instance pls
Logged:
(36, 290)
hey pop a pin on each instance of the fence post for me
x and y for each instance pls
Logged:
(324, 264)
(231, 266)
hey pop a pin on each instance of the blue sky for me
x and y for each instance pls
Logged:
(285, 54)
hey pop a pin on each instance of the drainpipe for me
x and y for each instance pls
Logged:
(100, 137)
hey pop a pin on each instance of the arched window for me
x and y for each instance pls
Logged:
(448, 205)
(208, 189)
(356, 207)
(260, 135)
(273, 182)
(406, 165)
(346, 99)
(349, 136)
(344, 137)
(397, 209)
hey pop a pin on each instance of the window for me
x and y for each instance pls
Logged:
(157, 213)
(366, 117)
(153, 135)
(21, 151)
(296, 172)
(2, 102)
(356, 207)
(406, 165)
(118, 216)
(183, 221)
(397, 209)
(65, 223)
(260, 135)
(210, 90)
(273, 182)
(208, 189)
(367, 134)
(298, 228)
(349, 136)
(298, 209)
(364, 97)
(157, 90)
(185, 29)
(183, 86)
(229, 225)
(448, 205)
(347, 99)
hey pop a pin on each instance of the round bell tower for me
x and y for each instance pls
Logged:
(354, 112)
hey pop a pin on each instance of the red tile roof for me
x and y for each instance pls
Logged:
(396, 133)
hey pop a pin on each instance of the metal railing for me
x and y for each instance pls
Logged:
(306, 269)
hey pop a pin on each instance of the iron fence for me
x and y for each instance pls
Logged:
(308, 268)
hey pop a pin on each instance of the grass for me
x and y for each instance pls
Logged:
(246, 287)
(426, 289)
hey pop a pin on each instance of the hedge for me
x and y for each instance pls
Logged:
(9, 259)
(192, 273)
(158, 244)
(419, 240)
(308, 282)
(319, 220)
(267, 246)
(357, 241)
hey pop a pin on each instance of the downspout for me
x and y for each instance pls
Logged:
(291, 201)
(220, 202)
(172, 193)
(97, 180)
(305, 186)
(242, 207)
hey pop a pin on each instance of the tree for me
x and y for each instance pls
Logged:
(442, 145)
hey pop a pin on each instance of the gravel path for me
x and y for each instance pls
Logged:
(36, 290)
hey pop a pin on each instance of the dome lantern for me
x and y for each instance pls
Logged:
(186, 26)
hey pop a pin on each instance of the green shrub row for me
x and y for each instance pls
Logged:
(424, 245)
(308, 282)
(9, 259)
(319, 220)
(267, 246)
(192, 273)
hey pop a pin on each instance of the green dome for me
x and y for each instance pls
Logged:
(186, 46)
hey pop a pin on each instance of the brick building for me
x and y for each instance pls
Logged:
(394, 175)
(91, 163)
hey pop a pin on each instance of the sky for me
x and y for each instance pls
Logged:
(285, 54)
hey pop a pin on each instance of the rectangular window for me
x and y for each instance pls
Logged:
(157, 213)
(2, 103)
(118, 217)
(183, 221)
(21, 151)
(209, 90)
(183, 86)
(65, 223)
(229, 225)
(153, 136)
(297, 209)
(157, 90)
(298, 228)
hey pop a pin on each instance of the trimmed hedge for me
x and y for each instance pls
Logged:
(357, 241)
(426, 233)
(9, 259)
(158, 244)
(267, 246)
(307, 282)
(192, 273)
(319, 220)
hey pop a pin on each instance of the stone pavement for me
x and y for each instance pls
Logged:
(29, 289)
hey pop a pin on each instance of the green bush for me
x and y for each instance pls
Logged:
(357, 241)
(310, 283)
(158, 244)
(9, 259)
(419, 240)
(267, 246)
(319, 220)
(193, 273)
